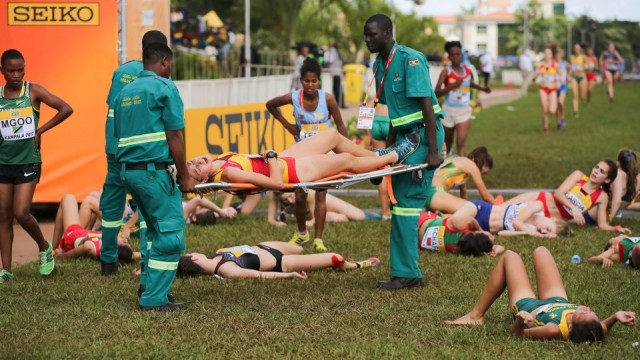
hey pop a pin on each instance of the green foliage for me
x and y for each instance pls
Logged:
(419, 33)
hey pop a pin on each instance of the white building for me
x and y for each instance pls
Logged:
(479, 31)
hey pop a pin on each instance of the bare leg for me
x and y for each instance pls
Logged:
(318, 262)
(510, 273)
(446, 203)
(547, 274)
(576, 90)
(340, 206)
(560, 107)
(461, 139)
(320, 212)
(22, 198)
(301, 210)
(67, 214)
(544, 103)
(583, 89)
(90, 210)
(609, 80)
(6, 224)
(314, 167)
(449, 132)
(322, 143)
(250, 204)
(383, 195)
(590, 90)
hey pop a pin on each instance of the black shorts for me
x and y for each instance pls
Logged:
(276, 254)
(20, 174)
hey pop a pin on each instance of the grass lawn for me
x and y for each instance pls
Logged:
(76, 313)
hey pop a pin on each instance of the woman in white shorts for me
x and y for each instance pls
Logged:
(455, 85)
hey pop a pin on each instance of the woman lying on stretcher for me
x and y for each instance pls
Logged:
(307, 160)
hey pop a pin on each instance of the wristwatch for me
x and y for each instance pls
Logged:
(270, 155)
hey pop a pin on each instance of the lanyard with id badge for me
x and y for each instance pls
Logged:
(366, 113)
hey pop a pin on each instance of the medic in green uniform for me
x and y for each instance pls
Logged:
(149, 120)
(112, 200)
(403, 84)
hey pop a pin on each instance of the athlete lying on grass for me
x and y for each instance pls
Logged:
(548, 317)
(267, 260)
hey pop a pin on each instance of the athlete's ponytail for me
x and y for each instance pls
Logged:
(611, 175)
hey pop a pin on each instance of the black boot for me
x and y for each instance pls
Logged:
(398, 283)
(166, 307)
(108, 268)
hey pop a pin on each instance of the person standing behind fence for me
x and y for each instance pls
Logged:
(112, 200)
(312, 111)
(333, 60)
(403, 84)
(149, 121)
(303, 52)
(20, 161)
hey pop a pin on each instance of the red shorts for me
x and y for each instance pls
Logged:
(591, 76)
(291, 170)
(547, 90)
(427, 215)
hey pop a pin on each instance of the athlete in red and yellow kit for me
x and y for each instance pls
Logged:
(549, 81)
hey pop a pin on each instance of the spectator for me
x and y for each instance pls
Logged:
(486, 67)
(333, 61)
(526, 69)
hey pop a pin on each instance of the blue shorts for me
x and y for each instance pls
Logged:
(562, 89)
(588, 220)
(483, 214)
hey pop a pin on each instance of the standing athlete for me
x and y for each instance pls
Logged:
(20, 161)
(149, 121)
(113, 196)
(403, 84)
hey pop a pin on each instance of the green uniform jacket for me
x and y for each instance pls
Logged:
(143, 111)
(407, 78)
(123, 76)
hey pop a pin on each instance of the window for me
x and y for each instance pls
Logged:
(482, 47)
(481, 29)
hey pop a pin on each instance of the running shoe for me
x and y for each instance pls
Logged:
(386, 150)
(47, 260)
(370, 262)
(562, 124)
(299, 239)
(6, 275)
(406, 148)
(372, 216)
(318, 245)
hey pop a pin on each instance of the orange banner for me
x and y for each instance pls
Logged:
(70, 48)
(142, 16)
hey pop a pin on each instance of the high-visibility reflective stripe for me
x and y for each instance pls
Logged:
(149, 245)
(110, 112)
(141, 139)
(407, 119)
(400, 211)
(143, 224)
(111, 224)
(403, 120)
(163, 265)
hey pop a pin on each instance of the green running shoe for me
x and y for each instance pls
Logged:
(319, 246)
(299, 239)
(6, 275)
(47, 261)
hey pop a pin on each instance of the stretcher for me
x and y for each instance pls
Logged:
(338, 181)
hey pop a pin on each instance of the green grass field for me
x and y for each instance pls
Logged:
(76, 313)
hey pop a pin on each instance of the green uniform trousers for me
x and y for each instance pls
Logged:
(158, 198)
(112, 203)
(405, 214)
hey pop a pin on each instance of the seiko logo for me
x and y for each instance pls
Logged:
(61, 14)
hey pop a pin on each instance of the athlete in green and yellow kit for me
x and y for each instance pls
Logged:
(149, 120)
(404, 85)
(112, 200)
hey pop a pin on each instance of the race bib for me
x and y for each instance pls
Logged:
(577, 201)
(433, 239)
(365, 117)
(308, 130)
(17, 124)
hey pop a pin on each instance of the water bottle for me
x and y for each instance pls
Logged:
(576, 259)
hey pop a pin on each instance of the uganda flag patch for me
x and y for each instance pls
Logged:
(414, 62)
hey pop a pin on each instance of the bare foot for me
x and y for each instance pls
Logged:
(374, 261)
(466, 320)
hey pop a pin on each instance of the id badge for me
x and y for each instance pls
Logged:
(365, 117)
